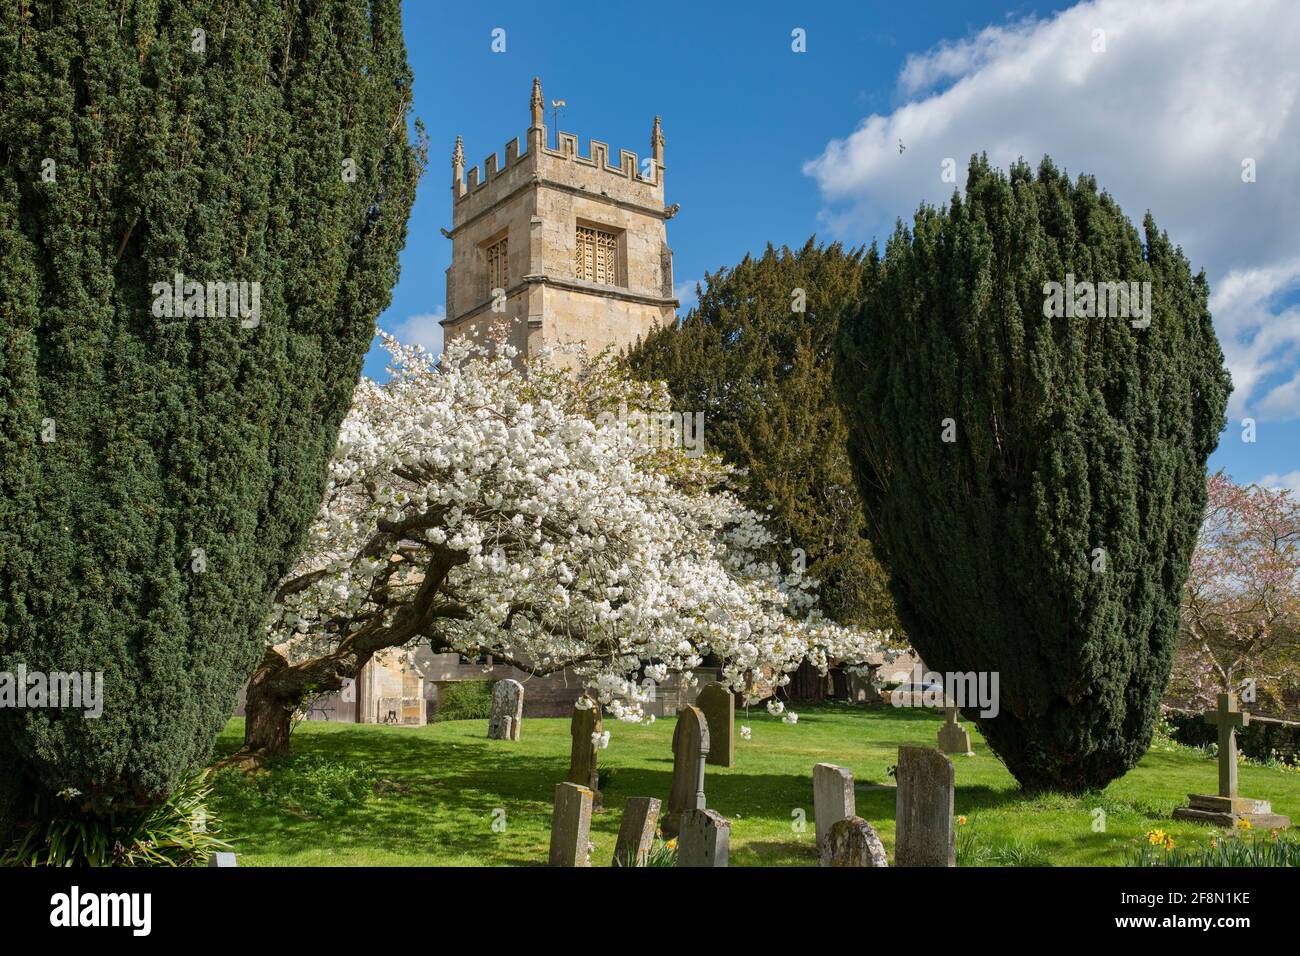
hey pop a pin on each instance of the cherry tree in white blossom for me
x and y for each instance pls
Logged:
(489, 508)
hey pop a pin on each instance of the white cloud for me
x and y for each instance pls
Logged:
(422, 329)
(1291, 480)
(1164, 117)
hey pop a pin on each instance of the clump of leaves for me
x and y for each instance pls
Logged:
(181, 831)
(662, 853)
(1263, 849)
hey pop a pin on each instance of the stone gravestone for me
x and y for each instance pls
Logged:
(953, 737)
(853, 842)
(833, 799)
(586, 723)
(507, 710)
(570, 825)
(1226, 808)
(690, 749)
(705, 839)
(636, 831)
(719, 708)
(222, 859)
(923, 811)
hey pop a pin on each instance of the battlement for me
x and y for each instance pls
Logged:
(630, 180)
(597, 158)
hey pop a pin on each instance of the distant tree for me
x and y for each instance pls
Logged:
(1035, 483)
(1241, 603)
(163, 449)
(754, 356)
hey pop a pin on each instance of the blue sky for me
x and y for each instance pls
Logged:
(1164, 104)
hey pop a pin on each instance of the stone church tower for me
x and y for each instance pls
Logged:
(566, 248)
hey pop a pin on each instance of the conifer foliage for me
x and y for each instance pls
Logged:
(163, 446)
(754, 357)
(1035, 483)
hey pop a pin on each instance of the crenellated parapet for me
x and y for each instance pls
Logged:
(627, 179)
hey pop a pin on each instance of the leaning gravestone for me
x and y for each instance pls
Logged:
(636, 831)
(222, 860)
(507, 710)
(690, 749)
(705, 839)
(923, 812)
(833, 799)
(719, 708)
(853, 842)
(953, 737)
(584, 727)
(570, 825)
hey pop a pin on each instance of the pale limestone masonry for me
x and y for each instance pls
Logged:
(576, 246)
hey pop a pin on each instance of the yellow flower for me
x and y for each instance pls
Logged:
(1214, 843)
(1155, 836)
(1169, 842)
(1272, 835)
(671, 844)
(961, 821)
(1243, 824)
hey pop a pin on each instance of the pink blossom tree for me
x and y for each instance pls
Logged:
(1241, 603)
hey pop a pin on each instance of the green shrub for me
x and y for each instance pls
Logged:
(465, 700)
(60, 831)
(1266, 743)
(309, 786)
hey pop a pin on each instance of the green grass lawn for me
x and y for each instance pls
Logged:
(388, 796)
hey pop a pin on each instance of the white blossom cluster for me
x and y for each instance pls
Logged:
(552, 541)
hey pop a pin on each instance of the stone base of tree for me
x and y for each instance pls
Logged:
(1228, 811)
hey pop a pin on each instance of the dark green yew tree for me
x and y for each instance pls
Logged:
(1034, 484)
(162, 453)
(755, 356)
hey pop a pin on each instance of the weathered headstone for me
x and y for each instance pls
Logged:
(584, 727)
(222, 860)
(507, 710)
(953, 737)
(1226, 808)
(719, 708)
(705, 839)
(636, 831)
(923, 810)
(833, 799)
(570, 825)
(690, 749)
(853, 842)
